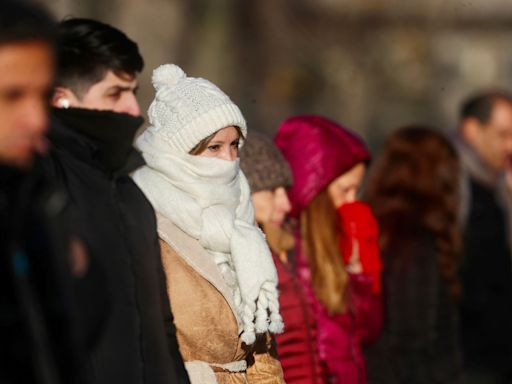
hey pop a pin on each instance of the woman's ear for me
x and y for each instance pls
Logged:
(63, 98)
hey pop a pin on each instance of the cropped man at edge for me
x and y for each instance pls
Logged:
(484, 143)
(50, 309)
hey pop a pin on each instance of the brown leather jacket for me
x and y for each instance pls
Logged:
(208, 328)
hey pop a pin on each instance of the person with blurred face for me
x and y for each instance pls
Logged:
(220, 276)
(38, 333)
(486, 127)
(484, 143)
(336, 255)
(269, 176)
(26, 65)
(94, 119)
(413, 188)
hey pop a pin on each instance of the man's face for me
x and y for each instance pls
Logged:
(26, 74)
(112, 93)
(493, 140)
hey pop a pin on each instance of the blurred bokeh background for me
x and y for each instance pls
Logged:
(373, 65)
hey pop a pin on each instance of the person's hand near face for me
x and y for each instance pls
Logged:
(342, 190)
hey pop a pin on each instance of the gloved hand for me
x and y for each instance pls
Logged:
(360, 235)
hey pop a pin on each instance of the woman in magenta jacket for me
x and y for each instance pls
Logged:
(337, 257)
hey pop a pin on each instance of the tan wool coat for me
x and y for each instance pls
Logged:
(208, 328)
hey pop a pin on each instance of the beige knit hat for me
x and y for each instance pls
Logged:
(186, 110)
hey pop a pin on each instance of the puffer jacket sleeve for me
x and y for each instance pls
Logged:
(367, 307)
(264, 367)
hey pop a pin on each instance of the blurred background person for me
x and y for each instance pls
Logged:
(26, 74)
(94, 120)
(269, 175)
(220, 276)
(45, 279)
(328, 163)
(414, 192)
(484, 143)
(28, 64)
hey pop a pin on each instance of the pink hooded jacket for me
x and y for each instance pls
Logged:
(318, 151)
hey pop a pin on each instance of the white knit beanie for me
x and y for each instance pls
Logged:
(187, 110)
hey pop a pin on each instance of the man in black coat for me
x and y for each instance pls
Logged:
(94, 121)
(485, 147)
(43, 333)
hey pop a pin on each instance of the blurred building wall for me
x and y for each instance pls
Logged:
(373, 65)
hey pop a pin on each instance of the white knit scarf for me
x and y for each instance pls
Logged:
(209, 199)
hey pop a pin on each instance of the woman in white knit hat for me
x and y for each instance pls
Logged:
(221, 279)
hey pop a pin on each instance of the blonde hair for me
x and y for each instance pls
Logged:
(320, 234)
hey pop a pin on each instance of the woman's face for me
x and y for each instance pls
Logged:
(271, 206)
(345, 188)
(224, 145)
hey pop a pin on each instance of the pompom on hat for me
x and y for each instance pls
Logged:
(187, 110)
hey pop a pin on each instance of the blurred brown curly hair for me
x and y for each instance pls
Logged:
(416, 183)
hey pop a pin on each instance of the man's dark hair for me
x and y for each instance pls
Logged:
(480, 106)
(21, 21)
(87, 49)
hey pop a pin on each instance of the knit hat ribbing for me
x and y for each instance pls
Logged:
(187, 110)
(263, 164)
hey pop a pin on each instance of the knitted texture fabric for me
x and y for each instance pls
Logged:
(263, 164)
(186, 109)
(209, 199)
(359, 230)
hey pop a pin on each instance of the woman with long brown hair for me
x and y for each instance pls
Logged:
(336, 254)
(414, 191)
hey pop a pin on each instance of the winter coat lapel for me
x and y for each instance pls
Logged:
(197, 257)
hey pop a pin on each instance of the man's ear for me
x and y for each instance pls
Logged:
(63, 98)
(470, 129)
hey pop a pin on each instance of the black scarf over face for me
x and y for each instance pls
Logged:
(111, 132)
